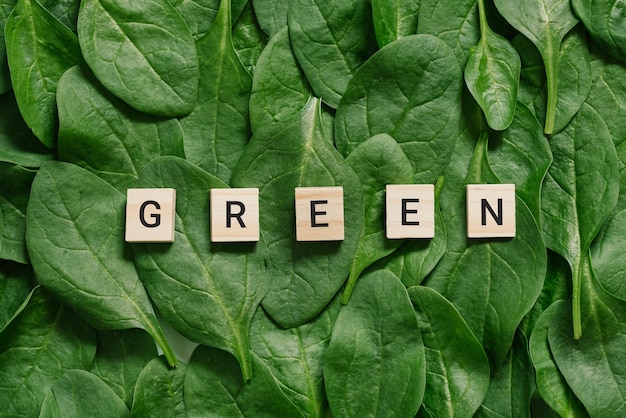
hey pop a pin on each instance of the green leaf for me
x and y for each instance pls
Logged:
(93, 122)
(214, 388)
(199, 15)
(605, 20)
(64, 10)
(39, 50)
(16, 282)
(159, 391)
(14, 194)
(457, 369)
(272, 15)
(512, 385)
(285, 155)
(394, 19)
(18, 145)
(410, 90)
(492, 75)
(75, 238)
(607, 254)
(143, 52)
(295, 356)
(120, 357)
(218, 129)
(331, 40)
(454, 22)
(592, 364)
(378, 161)
(551, 384)
(375, 363)
(279, 88)
(80, 393)
(545, 23)
(209, 298)
(248, 39)
(579, 193)
(36, 348)
(5, 77)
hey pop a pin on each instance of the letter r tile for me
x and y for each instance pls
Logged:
(150, 215)
(490, 210)
(319, 213)
(235, 215)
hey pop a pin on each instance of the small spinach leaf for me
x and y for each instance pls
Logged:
(331, 40)
(248, 39)
(16, 282)
(36, 348)
(545, 23)
(212, 298)
(272, 15)
(37, 62)
(285, 155)
(14, 195)
(605, 20)
(394, 19)
(159, 391)
(492, 75)
(410, 90)
(80, 393)
(375, 363)
(218, 129)
(457, 369)
(74, 215)
(607, 253)
(64, 10)
(142, 52)
(5, 77)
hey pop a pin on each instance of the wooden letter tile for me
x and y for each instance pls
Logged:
(319, 214)
(490, 210)
(150, 215)
(235, 215)
(410, 211)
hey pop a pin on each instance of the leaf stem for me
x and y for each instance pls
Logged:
(161, 340)
(484, 27)
(552, 66)
(576, 289)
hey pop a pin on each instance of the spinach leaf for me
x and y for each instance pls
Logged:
(410, 90)
(18, 145)
(120, 357)
(16, 282)
(159, 391)
(199, 15)
(331, 40)
(295, 356)
(454, 22)
(248, 39)
(212, 298)
(36, 64)
(80, 393)
(14, 196)
(592, 364)
(375, 362)
(222, 106)
(74, 215)
(512, 385)
(607, 254)
(64, 10)
(93, 121)
(36, 348)
(550, 382)
(285, 155)
(272, 15)
(5, 77)
(142, 52)
(605, 20)
(492, 74)
(545, 23)
(394, 19)
(491, 286)
(279, 88)
(457, 369)
(378, 161)
(213, 387)
(584, 170)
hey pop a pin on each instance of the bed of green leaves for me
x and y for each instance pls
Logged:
(98, 96)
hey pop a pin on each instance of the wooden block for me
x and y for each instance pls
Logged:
(410, 211)
(319, 213)
(150, 215)
(490, 210)
(235, 215)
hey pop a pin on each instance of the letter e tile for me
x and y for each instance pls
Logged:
(319, 213)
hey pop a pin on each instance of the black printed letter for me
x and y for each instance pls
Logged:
(314, 213)
(485, 206)
(229, 214)
(405, 211)
(155, 216)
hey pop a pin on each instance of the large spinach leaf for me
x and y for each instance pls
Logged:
(75, 239)
(375, 363)
(159, 391)
(212, 298)
(605, 20)
(285, 155)
(143, 52)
